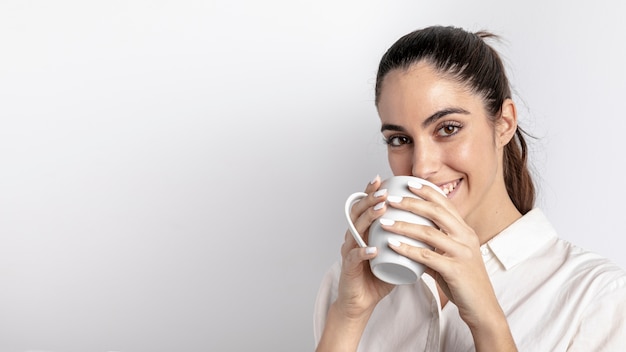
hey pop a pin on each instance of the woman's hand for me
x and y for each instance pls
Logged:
(456, 264)
(359, 290)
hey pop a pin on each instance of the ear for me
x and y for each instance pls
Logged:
(507, 124)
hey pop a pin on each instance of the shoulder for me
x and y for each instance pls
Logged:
(532, 242)
(598, 287)
(599, 273)
(531, 249)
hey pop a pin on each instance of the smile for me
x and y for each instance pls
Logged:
(449, 187)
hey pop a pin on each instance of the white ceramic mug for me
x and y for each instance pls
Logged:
(388, 265)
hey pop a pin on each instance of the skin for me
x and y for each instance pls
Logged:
(438, 130)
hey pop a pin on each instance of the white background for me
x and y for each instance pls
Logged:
(172, 173)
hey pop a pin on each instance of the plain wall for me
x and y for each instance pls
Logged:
(173, 172)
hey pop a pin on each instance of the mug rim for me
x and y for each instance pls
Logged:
(419, 179)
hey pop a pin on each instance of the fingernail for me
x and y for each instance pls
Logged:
(379, 206)
(415, 184)
(393, 242)
(375, 179)
(386, 222)
(394, 199)
(370, 250)
(380, 192)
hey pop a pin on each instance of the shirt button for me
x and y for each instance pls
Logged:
(484, 250)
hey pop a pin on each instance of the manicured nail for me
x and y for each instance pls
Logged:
(393, 242)
(375, 179)
(370, 250)
(394, 199)
(380, 192)
(379, 206)
(386, 222)
(415, 184)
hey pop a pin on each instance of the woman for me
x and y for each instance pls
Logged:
(499, 279)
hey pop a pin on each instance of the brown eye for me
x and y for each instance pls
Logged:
(397, 141)
(449, 129)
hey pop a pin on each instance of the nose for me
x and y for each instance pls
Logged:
(426, 161)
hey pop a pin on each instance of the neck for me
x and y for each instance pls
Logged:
(496, 219)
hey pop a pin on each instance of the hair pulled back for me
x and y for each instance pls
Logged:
(467, 59)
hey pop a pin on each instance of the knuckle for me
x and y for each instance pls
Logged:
(431, 232)
(399, 226)
(355, 211)
(437, 208)
(425, 253)
(371, 215)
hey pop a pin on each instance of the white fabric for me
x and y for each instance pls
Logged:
(556, 296)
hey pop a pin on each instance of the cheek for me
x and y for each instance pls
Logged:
(472, 159)
(400, 163)
(466, 156)
(458, 155)
(478, 159)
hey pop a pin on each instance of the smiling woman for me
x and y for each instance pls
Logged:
(443, 140)
(499, 278)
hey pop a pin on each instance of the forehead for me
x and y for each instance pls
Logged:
(419, 91)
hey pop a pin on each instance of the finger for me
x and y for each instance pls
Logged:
(355, 257)
(426, 256)
(348, 243)
(365, 211)
(362, 225)
(374, 196)
(373, 185)
(437, 213)
(423, 233)
(438, 210)
(434, 196)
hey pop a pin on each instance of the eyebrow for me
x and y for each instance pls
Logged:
(429, 121)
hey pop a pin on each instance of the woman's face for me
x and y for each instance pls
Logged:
(438, 130)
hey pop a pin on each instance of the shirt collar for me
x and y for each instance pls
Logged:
(521, 239)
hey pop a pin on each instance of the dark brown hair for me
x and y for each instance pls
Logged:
(469, 60)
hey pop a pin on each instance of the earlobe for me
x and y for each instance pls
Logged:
(507, 124)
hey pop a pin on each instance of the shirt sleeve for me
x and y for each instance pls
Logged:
(326, 295)
(603, 325)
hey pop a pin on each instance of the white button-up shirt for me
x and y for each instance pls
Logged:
(556, 296)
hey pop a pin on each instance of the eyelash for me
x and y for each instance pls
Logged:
(438, 132)
(390, 140)
(456, 125)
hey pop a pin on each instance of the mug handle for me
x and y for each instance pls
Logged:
(349, 203)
